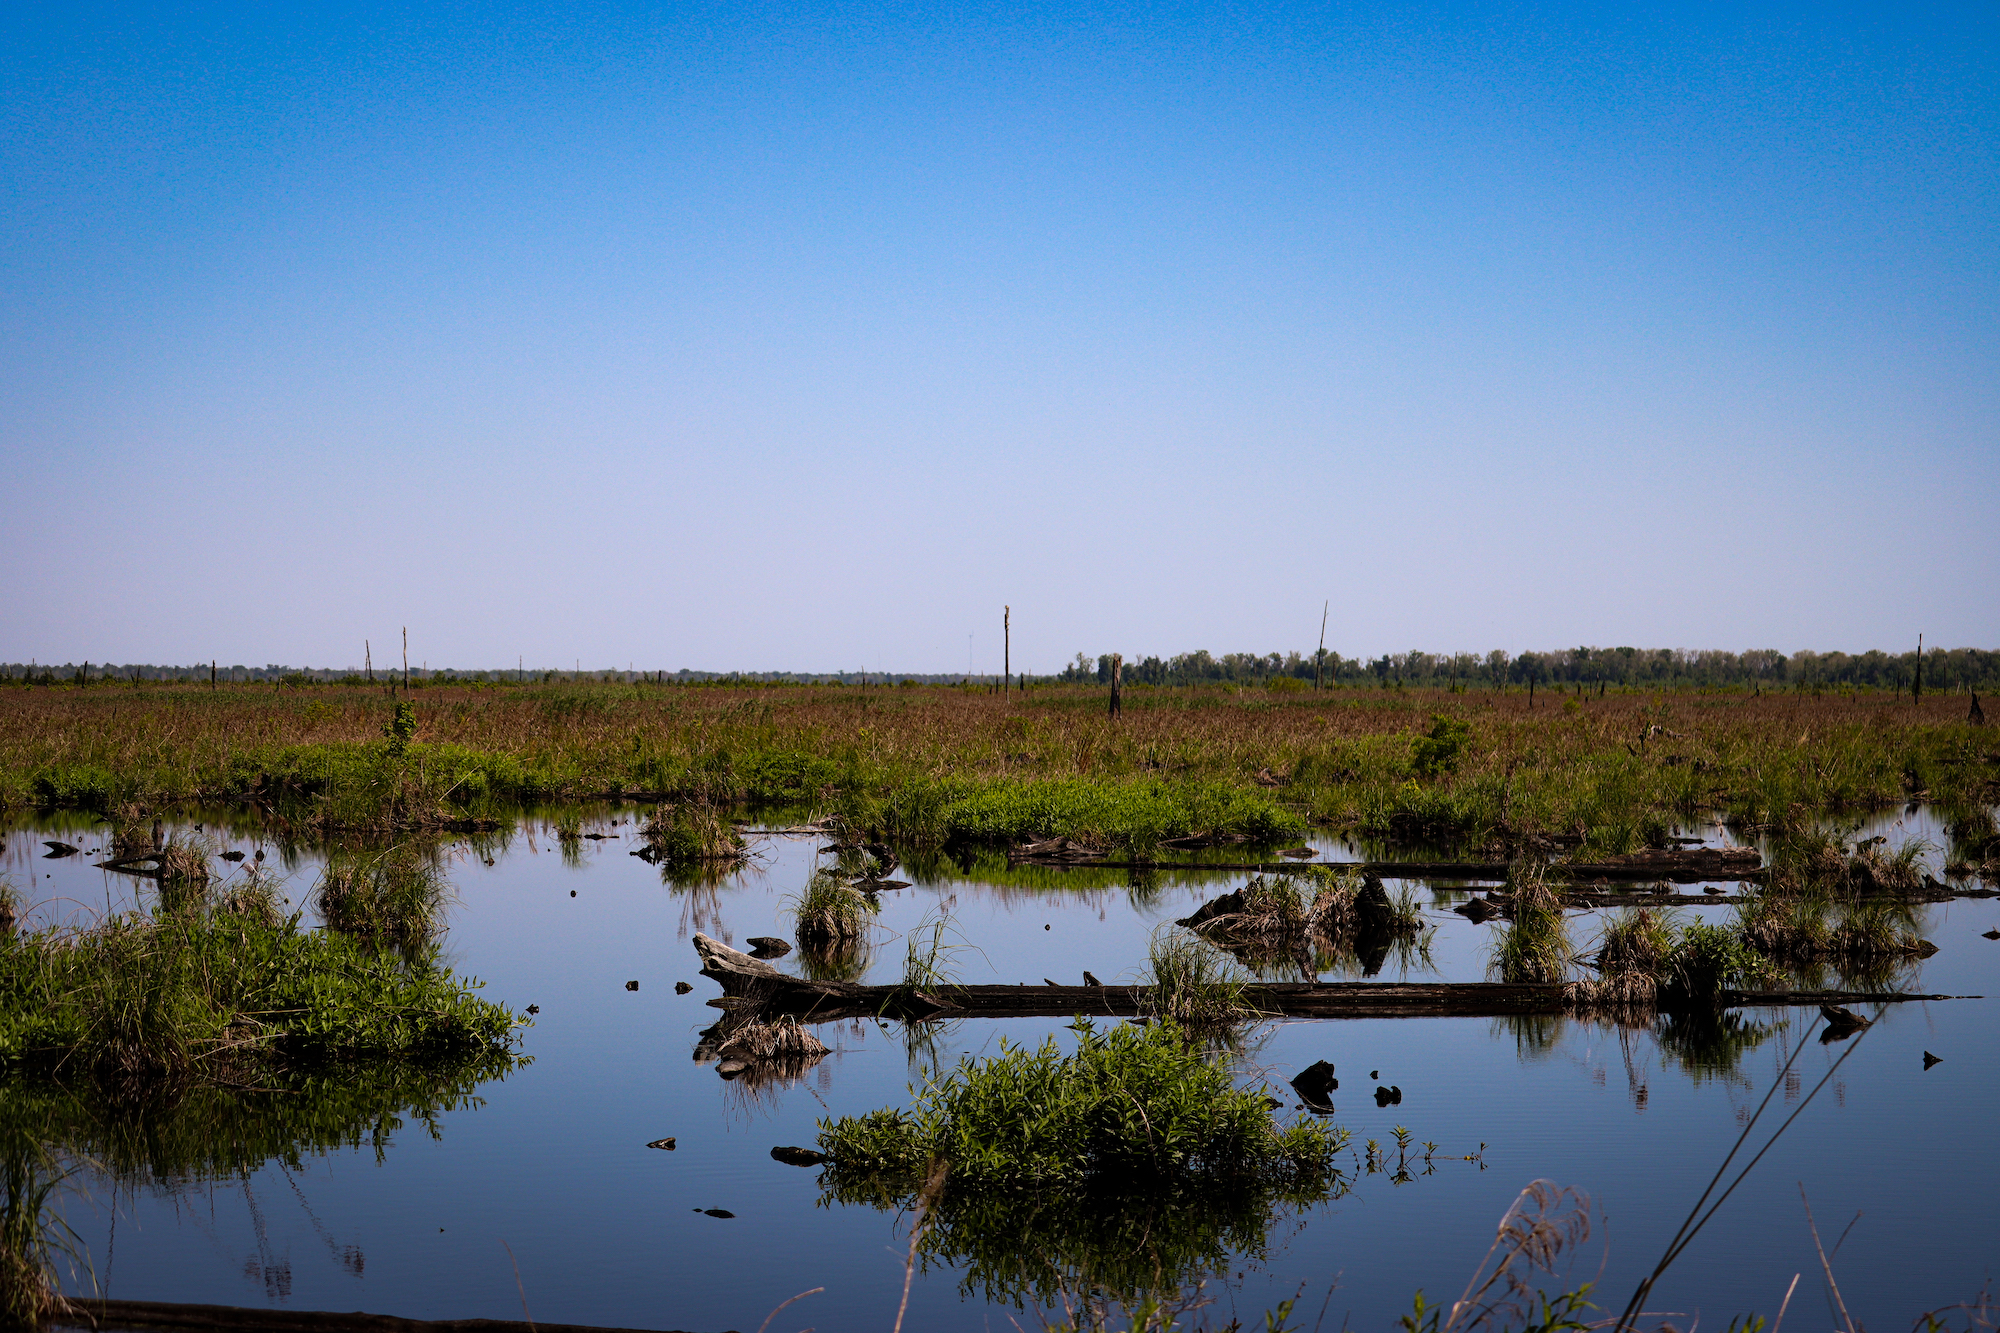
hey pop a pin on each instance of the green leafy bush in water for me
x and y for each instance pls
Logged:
(1132, 1165)
(1131, 1103)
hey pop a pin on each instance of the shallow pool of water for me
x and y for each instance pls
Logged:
(544, 1197)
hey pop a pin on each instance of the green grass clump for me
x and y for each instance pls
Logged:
(188, 998)
(1132, 1165)
(828, 912)
(1130, 1103)
(694, 834)
(1535, 947)
(395, 896)
(1191, 983)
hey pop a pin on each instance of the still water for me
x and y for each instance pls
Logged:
(541, 1195)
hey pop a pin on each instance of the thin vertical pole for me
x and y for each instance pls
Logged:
(1917, 694)
(406, 657)
(1324, 608)
(1006, 650)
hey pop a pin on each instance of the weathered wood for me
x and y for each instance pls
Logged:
(749, 984)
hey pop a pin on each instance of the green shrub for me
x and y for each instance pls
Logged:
(1438, 750)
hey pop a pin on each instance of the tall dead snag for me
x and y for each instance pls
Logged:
(1117, 673)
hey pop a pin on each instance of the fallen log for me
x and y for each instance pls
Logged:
(1494, 871)
(749, 985)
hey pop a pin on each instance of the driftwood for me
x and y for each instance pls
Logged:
(752, 986)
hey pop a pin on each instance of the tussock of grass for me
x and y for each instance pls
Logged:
(776, 1039)
(1535, 947)
(693, 834)
(1133, 1165)
(829, 912)
(1192, 984)
(395, 896)
(1804, 931)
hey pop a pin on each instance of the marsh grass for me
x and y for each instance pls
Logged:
(1192, 984)
(1867, 939)
(1535, 946)
(693, 834)
(398, 896)
(1633, 957)
(828, 912)
(929, 765)
(1314, 920)
(1128, 1104)
(35, 1239)
(1131, 1165)
(931, 951)
(143, 1003)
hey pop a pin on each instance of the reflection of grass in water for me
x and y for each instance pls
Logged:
(1708, 1045)
(172, 1140)
(224, 1133)
(394, 895)
(836, 960)
(34, 1239)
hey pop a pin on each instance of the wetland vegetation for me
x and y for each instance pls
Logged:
(934, 766)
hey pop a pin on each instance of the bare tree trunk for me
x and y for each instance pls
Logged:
(1117, 674)
(1006, 650)
(1321, 657)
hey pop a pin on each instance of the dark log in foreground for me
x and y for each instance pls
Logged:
(165, 1314)
(752, 986)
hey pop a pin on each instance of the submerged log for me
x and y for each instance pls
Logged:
(749, 984)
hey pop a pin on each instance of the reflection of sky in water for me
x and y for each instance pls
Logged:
(607, 1231)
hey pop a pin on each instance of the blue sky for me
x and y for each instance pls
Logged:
(764, 337)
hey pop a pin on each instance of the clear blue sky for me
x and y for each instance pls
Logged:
(763, 337)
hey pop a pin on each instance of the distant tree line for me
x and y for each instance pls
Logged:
(1651, 668)
(92, 673)
(1663, 668)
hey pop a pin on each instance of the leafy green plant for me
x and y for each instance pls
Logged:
(1127, 1103)
(401, 728)
(1438, 750)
